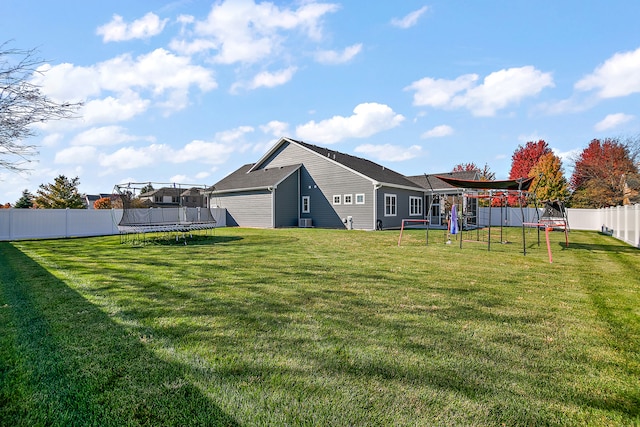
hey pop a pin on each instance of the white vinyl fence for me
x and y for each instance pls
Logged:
(622, 222)
(19, 224)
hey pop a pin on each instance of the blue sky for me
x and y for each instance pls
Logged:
(188, 91)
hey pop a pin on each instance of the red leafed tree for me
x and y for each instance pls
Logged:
(102, 203)
(465, 167)
(485, 173)
(597, 179)
(523, 160)
(526, 157)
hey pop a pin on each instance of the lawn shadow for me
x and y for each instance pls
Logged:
(75, 366)
(595, 247)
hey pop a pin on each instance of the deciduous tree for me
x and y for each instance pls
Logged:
(103, 203)
(549, 182)
(62, 193)
(597, 179)
(485, 173)
(466, 167)
(22, 105)
(525, 158)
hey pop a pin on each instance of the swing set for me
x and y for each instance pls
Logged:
(463, 213)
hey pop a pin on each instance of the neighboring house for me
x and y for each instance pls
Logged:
(299, 184)
(173, 197)
(439, 194)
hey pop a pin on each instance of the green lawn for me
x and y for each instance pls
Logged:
(319, 327)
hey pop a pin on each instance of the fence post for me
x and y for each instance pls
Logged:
(636, 238)
(627, 222)
(66, 222)
(11, 224)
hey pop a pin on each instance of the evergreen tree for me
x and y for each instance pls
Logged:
(63, 193)
(25, 201)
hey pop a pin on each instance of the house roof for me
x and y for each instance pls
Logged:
(433, 182)
(241, 179)
(164, 191)
(193, 191)
(375, 172)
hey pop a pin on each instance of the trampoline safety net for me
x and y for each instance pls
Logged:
(170, 208)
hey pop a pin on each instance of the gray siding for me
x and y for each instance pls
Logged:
(330, 179)
(286, 201)
(247, 209)
(402, 198)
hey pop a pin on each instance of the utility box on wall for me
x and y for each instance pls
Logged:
(304, 222)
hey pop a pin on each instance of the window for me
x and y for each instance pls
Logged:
(158, 199)
(359, 199)
(390, 205)
(306, 204)
(415, 206)
(336, 199)
(348, 199)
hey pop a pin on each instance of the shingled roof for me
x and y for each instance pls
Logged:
(374, 171)
(258, 179)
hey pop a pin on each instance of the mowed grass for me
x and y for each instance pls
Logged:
(320, 327)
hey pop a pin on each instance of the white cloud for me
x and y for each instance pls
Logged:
(233, 135)
(110, 109)
(388, 152)
(275, 128)
(52, 139)
(368, 119)
(613, 121)
(203, 152)
(265, 79)
(410, 19)
(107, 135)
(76, 155)
(618, 76)
(246, 32)
(567, 157)
(334, 57)
(437, 132)
(132, 158)
(498, 90)
(159, 72)
(440, 92)
(66, 82)
(117, 30)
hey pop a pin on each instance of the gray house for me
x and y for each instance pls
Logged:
(296, 184)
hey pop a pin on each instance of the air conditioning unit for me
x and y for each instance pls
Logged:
(304, 222)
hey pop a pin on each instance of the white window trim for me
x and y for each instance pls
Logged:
(337, 199)
(393, 197)
(362, 202)
(308, 209)
(344, 198)
(419, 199)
